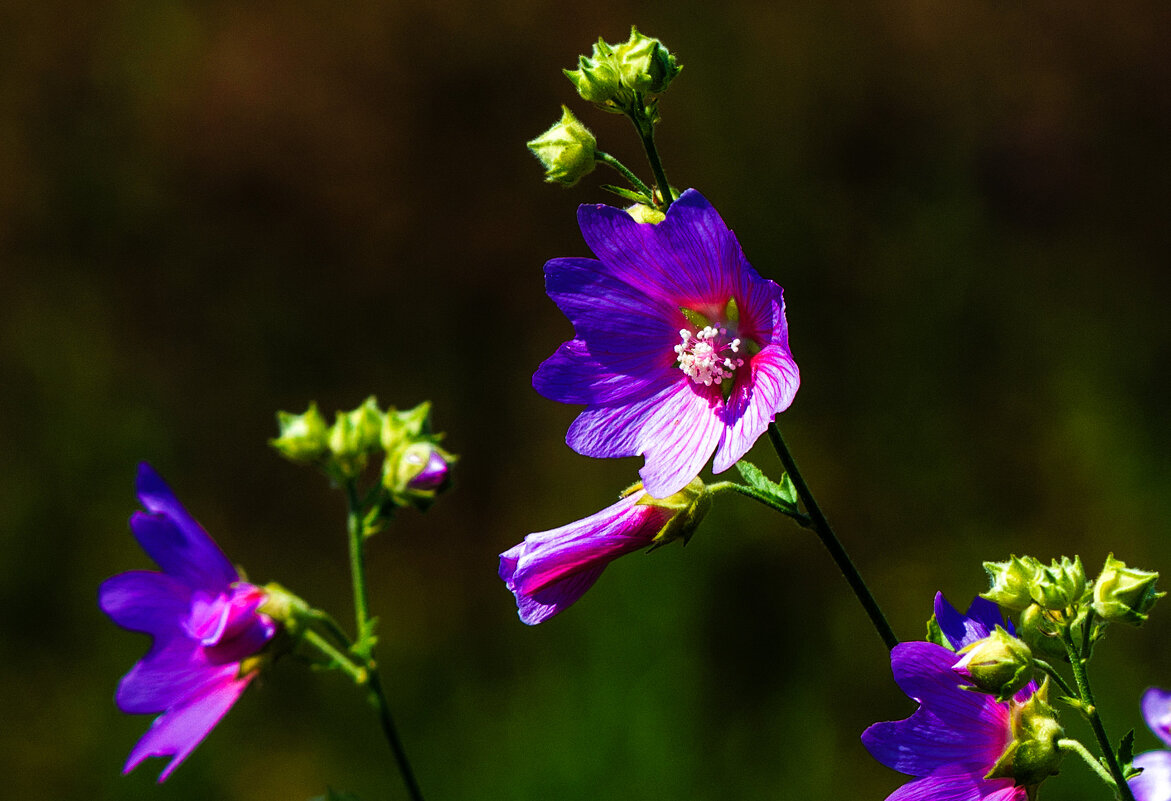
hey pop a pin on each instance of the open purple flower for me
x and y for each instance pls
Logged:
(550, 570)
(203, 620)
(1154, 783)
(680, 350)
(957, 736)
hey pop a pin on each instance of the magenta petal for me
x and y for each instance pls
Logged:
(143, 600)
(181, 728)
(768, 389)
(1154, 783)
(958, 786)
(1156, 706)
(615, 430)
(543, 604)
(679, 439)
(173, 669)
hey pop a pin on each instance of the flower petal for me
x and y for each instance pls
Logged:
(180, 729)
(679, 438)
(175, 540)
(952, 726)
(1156, 706)
(766, 391)
(575, 374)
(543, 604)
(174, 668)
(1154, 783)
(958, 786)
(144, 600)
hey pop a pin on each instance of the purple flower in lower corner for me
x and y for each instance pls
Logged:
(1154, 783)
(204, 621)
(550, 570)
(962, 745)
(680, 347)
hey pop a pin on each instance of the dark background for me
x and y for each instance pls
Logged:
(210, 211)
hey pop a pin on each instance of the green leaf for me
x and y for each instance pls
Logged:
(636, 197)
(1126, 755)
(783, 493)
(935, 634)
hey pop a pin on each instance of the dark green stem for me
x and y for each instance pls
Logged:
(645, 125)
(1090, 710)
(377, 699)
(826, 534)
(610, 161)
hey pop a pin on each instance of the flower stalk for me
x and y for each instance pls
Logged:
(832, 544)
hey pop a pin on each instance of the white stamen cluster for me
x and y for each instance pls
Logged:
(703, 356)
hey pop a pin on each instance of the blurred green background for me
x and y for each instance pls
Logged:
(210, 211)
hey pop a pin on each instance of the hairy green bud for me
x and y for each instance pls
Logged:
(1124, 593)
(1034, 753)
(1061, 585)
(566, 151)
(1012, 582)
(302, 437)
(999, 664)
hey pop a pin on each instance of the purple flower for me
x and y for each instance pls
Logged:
(203, 620)
(680, 350)
(552, 569)
(956, 736)
(1154, 783)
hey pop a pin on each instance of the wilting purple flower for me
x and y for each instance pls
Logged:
(1154, 783)
(680, 350)
(552, 569)
(202, 617)
(956, 735)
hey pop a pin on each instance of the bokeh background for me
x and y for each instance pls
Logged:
(210, 211)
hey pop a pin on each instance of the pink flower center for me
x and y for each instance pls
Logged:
(709, 356)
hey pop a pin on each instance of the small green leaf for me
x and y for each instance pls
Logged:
(636, 197)
(935, 634)
(784, 493)
(1126, 755)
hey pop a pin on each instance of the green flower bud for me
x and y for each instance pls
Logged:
(1124, 593)
(1033, 755)
(303, 437)
(566, 150)
(354, 436)
(689, 504)
(416, 469)
(1012, 582)
(643, 213)
(598, 79)
(1061, 585)
(1039, 630)
(644, 64)
(999, 664)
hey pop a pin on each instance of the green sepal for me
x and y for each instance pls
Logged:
(627, 194)
(935, 634)
(699, 321)
(732, 312)
(784, 493)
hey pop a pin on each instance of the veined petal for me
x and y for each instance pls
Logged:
(958, 786)
(680, 437)
(981, 620)
(609, 313)
(757, 398)
(539, 606)
(574, 374)
(180, 729)
(1156, 706)
(174, 668)
(143, 600)
(615, 429)
(1154, 783)
(175, 540)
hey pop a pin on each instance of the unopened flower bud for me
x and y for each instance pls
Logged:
(405, 426)
(1012, 582)
(354, 436)
(999, 664)
(416, 469)
(1038, 629)
(645, 65)
(1034, 753)
(566, 150)
(1124, 593)
(1061, 585)
(302, 437)
(597, 79)
(689, 505)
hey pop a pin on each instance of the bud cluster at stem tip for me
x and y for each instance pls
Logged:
(622, 77)
(414, 467)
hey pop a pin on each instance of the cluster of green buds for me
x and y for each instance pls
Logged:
(622, 78)
(414, 467)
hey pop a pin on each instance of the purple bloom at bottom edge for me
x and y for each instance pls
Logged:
(1154, 783)
(680, 348)
(956, 736)
(203, 621)
(550, 570)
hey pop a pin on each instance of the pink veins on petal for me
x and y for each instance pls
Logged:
(680, 348)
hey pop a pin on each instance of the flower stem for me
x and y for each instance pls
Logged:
(1076, 747)
(645, 125)
(1058, 679)
(826, 534)
(1088, 708)
(364, 646)
(607, 159)
(357, 672)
